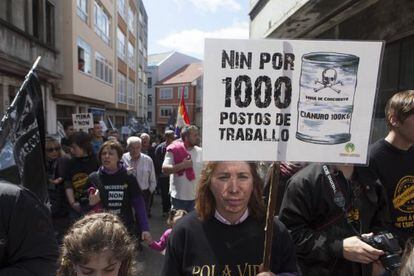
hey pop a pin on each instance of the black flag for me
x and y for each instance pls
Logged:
(23, 126)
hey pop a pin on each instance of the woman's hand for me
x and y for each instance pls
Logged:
(264, 273)
(56, 181)
(268, 273)
(146, 236)
(76, 206)
(94, 198)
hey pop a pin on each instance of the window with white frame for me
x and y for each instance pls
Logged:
(122, 87)
(131, 55)
(82, 9)
(166, 111)
(121, 8)
(166, 93)
(84, 56)
(103, 69)
(140, 72)
(180, 89)
(121, 49)
(102, 23)
(131, 20)
(131, 92)
(140, 44)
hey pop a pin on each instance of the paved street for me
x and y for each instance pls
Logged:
(150, 261)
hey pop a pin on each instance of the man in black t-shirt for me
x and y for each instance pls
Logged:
(392, 160)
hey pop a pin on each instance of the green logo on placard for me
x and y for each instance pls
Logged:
(349, 147)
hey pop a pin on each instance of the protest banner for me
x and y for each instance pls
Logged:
(289, 100)
(22, 137)
(60, 130)
(82, 121)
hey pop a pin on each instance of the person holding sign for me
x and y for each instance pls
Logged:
(225, 235)
(392, 160)
(329, 210)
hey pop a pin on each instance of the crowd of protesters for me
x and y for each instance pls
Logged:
(331, 219)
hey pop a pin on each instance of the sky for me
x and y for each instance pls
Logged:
(182, 25)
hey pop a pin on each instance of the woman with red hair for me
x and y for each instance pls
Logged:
(226, 231)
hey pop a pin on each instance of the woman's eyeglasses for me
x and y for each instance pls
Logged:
(53, 149)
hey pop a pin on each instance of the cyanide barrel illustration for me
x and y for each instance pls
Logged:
(327, 89)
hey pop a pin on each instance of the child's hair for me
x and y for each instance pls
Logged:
(92, 235)
(82, 140)
(407, 262)
(175, 215)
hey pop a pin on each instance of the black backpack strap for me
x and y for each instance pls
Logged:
(96, 181)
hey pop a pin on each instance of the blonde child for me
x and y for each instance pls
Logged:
(173, 217)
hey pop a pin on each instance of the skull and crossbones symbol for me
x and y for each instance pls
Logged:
(329, 76)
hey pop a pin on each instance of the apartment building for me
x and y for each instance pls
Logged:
(101, 60)
(389, 21)
(30, 28)
(142, 55)
(168, 92)
(159, 67)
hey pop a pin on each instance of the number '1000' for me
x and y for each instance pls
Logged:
(282, 84)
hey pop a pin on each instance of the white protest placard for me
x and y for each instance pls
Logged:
(289, 100)
(103, 125)
(82, 120)
(125, 130)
